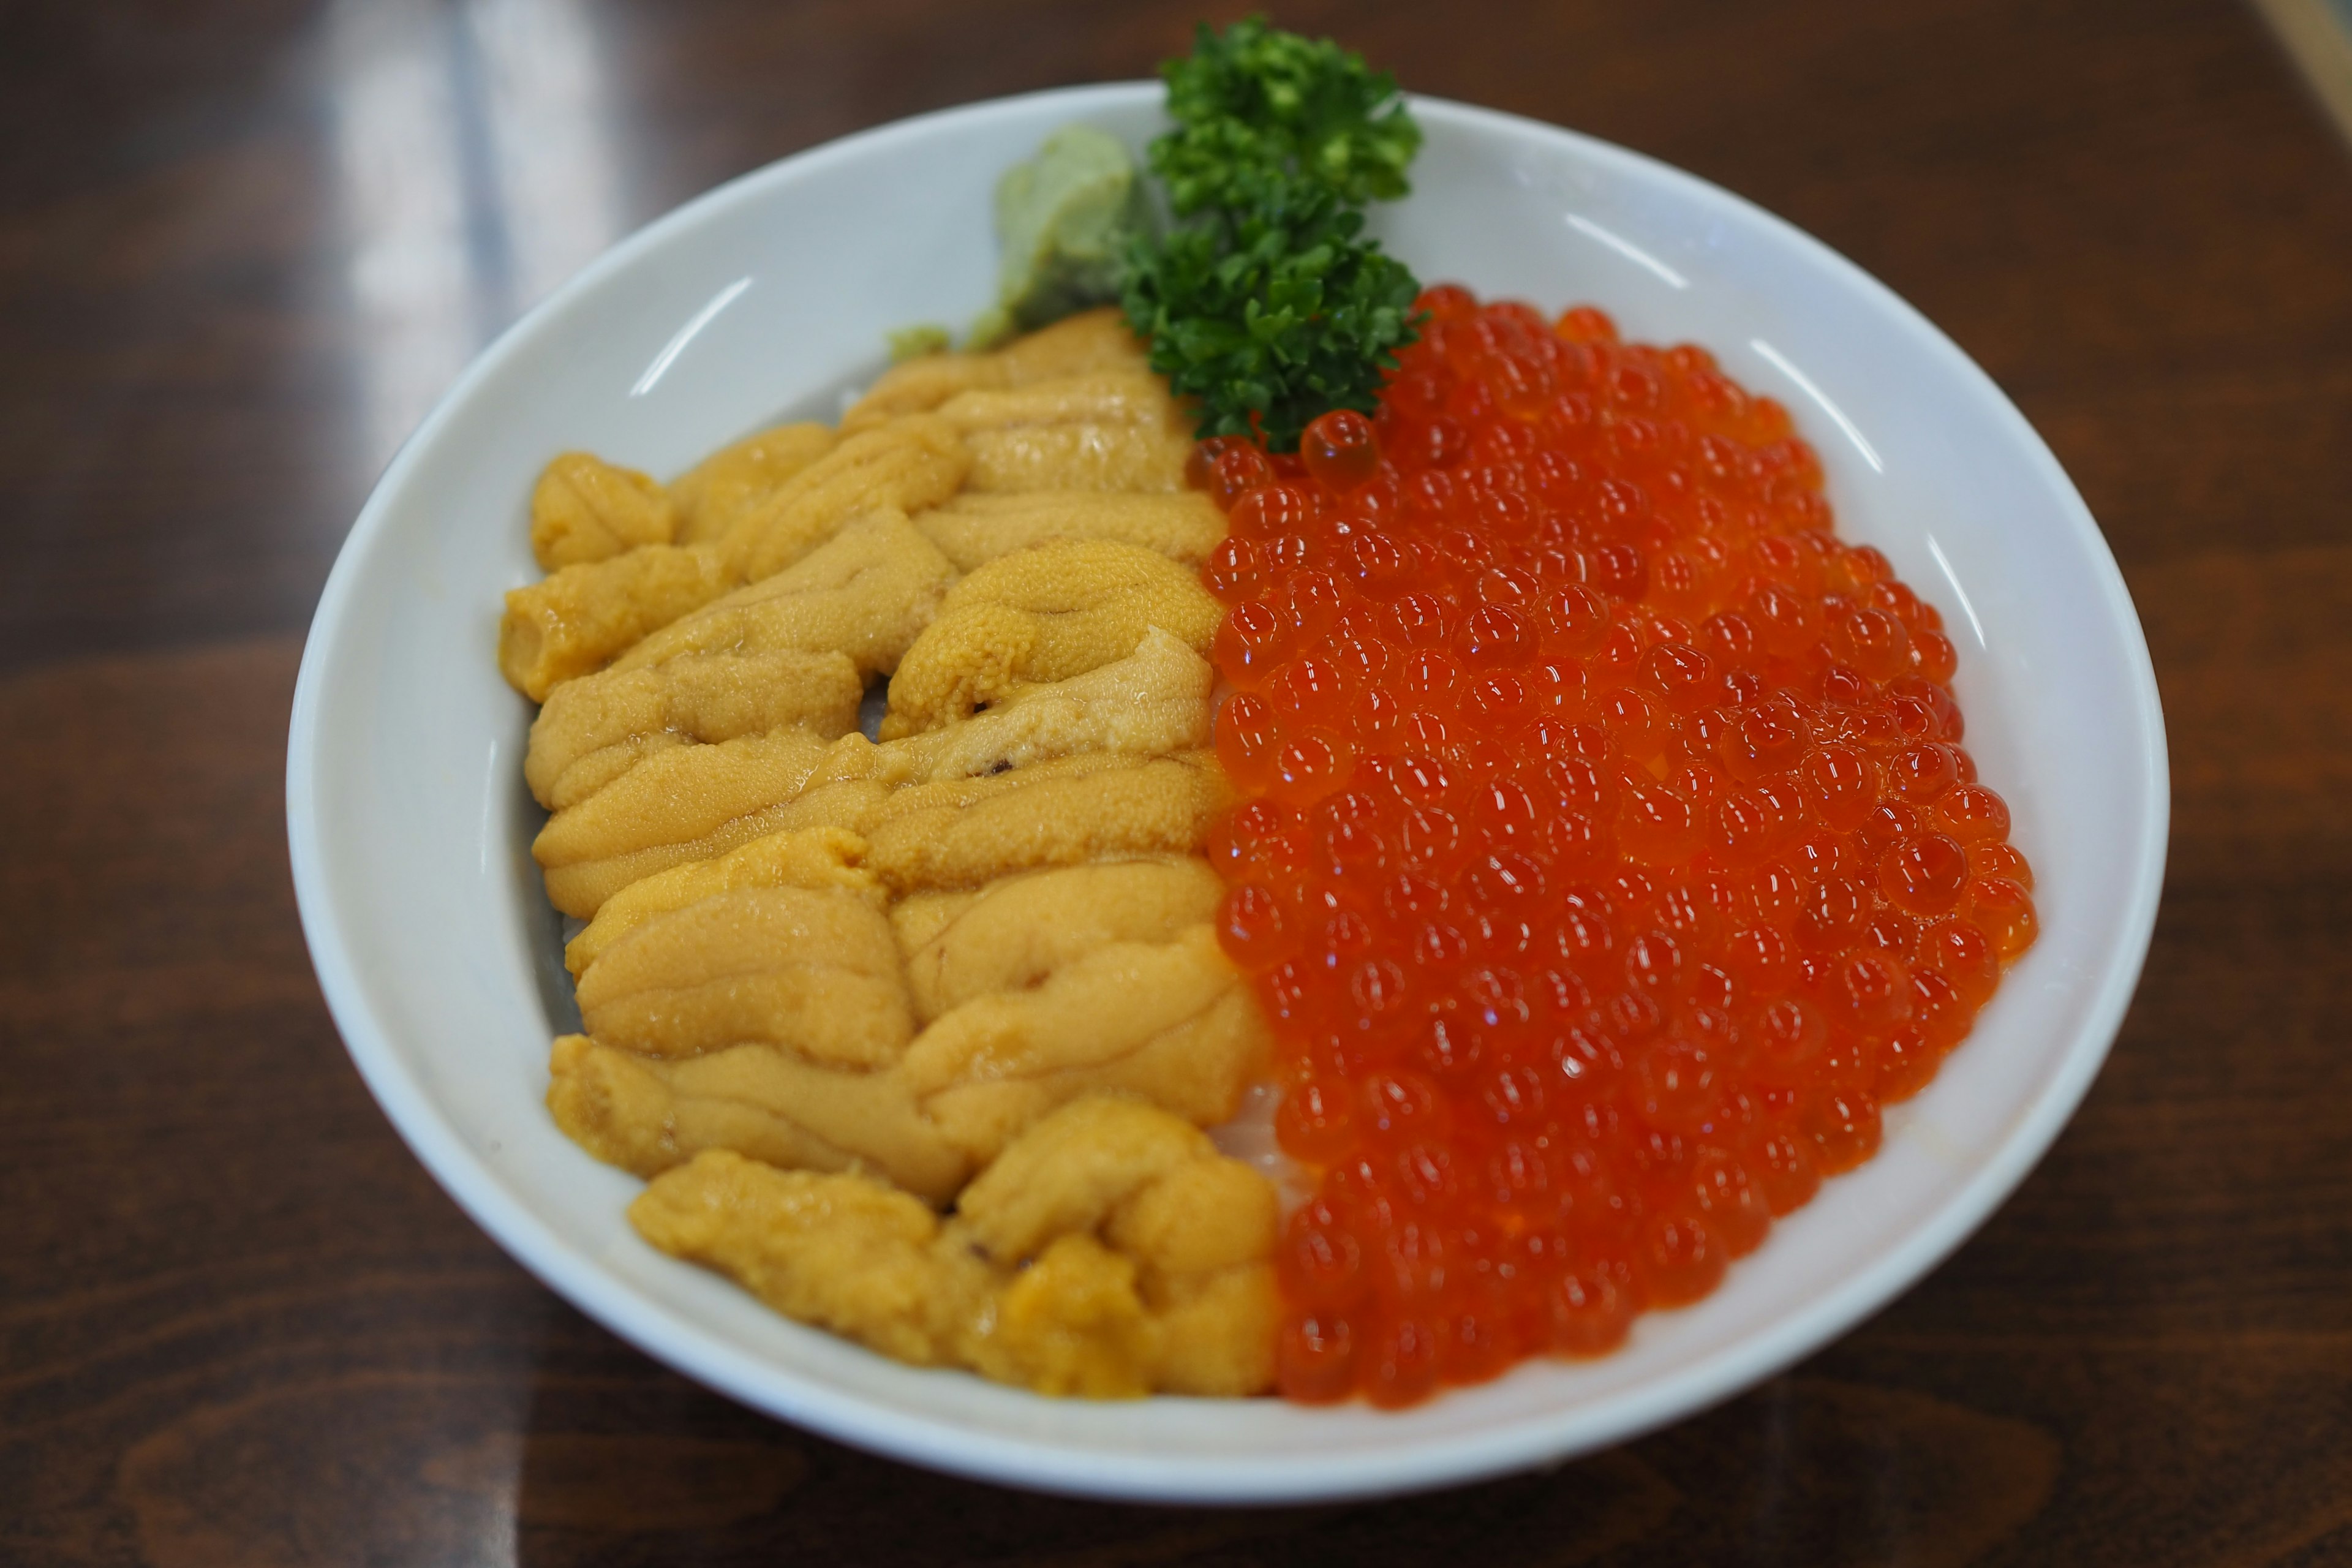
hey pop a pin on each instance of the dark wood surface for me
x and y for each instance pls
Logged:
(242, 244)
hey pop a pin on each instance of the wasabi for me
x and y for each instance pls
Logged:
(1066, 219)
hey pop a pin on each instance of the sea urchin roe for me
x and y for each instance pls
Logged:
(1609, 856)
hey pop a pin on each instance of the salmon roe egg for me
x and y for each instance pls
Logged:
(1607, 856)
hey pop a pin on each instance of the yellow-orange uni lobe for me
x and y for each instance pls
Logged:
(1607, 854)
(1110, 1253)
(1042, 615)
(584, 509)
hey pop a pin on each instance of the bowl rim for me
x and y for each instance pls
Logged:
(1010, 1458)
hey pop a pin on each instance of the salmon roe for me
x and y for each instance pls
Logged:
(1607, 857)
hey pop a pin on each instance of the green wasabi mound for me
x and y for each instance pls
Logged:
(1066, 219)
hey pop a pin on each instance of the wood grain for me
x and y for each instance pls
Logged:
(237, 1324)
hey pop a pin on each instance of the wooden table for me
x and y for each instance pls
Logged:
(242, 246)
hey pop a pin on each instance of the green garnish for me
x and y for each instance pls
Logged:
(915, 342)
(1254, 102)
(1266, 303)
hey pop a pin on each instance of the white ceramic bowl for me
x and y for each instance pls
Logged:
(411, 828)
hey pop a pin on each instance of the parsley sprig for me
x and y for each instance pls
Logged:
(1265, 302)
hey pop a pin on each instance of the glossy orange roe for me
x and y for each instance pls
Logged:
(1609, 856)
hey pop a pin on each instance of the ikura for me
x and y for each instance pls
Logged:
(1609, 856)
